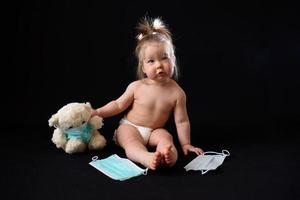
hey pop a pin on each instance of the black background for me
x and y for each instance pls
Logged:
(239, 66)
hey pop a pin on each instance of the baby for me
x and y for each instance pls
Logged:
(151, 100)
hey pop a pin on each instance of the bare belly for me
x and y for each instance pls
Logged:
(151, 120)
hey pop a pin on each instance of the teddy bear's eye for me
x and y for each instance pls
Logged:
(70, 127)
(83, 122)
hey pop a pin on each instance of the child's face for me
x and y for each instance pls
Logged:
(157, 61)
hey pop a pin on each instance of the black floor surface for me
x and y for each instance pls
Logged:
(262, 167)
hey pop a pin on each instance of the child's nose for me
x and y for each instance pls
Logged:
(159, 65)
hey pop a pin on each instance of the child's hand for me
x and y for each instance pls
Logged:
(94, 112)
(190, 148)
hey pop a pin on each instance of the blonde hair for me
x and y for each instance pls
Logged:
(153, 30)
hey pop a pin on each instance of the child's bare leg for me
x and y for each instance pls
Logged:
(129, 138)
(164, 144)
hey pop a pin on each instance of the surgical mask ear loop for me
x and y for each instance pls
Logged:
(146, 171)
(224, 153)
(95, 158)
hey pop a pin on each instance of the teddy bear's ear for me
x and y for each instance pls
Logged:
(88, 104)
(53, 121)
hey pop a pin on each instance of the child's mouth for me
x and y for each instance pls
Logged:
(160, 73)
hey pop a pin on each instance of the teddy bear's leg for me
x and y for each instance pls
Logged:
(75, 146)
(59, 138)
(97, 141)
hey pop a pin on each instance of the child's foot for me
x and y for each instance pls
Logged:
(169, 156)
(153, 160)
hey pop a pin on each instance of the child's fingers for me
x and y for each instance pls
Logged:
(185, 151)
(197, 150)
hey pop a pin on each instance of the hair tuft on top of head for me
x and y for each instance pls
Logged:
(149, 26)
(158, 24)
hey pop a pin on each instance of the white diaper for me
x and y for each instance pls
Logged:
(145, 132)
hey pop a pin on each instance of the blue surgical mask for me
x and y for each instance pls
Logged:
(117, 168)
(83, 132)
(206, 162)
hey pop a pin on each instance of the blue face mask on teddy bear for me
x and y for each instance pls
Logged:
(83, 132)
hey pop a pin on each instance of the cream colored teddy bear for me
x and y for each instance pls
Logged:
(76, 129)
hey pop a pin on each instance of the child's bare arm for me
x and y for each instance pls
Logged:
(117, 106)
(182, 120)
(183, 126)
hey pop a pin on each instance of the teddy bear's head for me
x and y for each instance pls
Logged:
(71, 116)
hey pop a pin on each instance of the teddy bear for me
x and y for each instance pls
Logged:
(75, 128)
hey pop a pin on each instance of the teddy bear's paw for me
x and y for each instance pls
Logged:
(97, 142)
(59, 139)
(75, 146)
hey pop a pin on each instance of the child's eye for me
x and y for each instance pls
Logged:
(150, 61)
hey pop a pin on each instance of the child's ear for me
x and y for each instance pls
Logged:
(53, 121)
